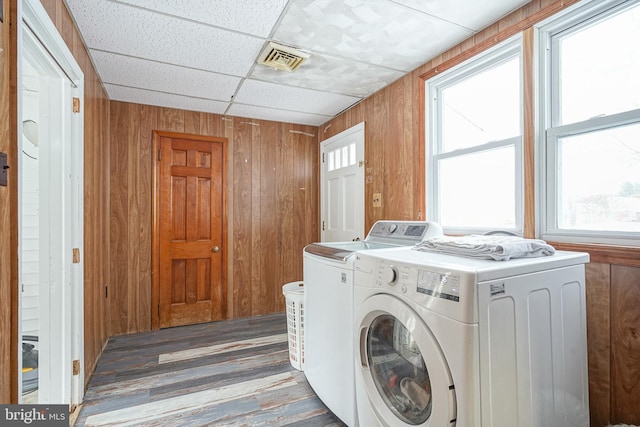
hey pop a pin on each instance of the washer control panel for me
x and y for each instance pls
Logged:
(404, 233)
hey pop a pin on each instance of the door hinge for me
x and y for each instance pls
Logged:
(106, 291)
(76, 105)
(76, 256)
(76, 367)
(159, 154)
(322, 225)
(322, 157)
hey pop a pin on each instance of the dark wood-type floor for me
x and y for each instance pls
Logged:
(229, 373)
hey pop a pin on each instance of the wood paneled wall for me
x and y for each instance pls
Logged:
(394, 151)
(96, 201)
(8, 212)
(273, 209)
(272, 200)
(96, 190)
(613, 330)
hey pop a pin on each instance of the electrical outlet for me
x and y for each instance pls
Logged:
(377, 200)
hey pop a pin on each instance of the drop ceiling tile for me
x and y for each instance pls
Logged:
(292, 98)
(247, 16)
(402, 38)
(273, 114)
(160, 99)
(140, 73)
(475, 15)
(179, 53)
(128, 30)
(333, 74)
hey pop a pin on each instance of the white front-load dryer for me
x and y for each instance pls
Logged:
(328, 309)
(445, 341)
(405, 353)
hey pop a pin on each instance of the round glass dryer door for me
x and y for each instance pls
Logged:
(398, 370)
(405, 375)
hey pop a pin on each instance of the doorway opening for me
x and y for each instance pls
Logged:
(50, 214)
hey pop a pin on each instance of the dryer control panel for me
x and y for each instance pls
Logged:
(441, 285)
(433, 283)
(448, 292)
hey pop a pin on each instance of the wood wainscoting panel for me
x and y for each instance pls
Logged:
(393, 150)
(119, 216)
(242, 209)
(625, 344)
(599, 341)
(265, 221)
(148, 122)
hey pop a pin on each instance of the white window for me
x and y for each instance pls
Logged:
(342, 157)
(590, 97)
(474, 143)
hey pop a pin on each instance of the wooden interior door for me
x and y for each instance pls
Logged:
(189, 226)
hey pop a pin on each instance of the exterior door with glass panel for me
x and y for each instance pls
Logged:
(342, 186)
(407, 380)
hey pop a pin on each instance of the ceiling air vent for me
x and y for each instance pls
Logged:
(282, 57)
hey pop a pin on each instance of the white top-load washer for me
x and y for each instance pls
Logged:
(328, 309)
(444, 340)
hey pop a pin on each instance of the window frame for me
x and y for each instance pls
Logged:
(550, 131)
(492, 57)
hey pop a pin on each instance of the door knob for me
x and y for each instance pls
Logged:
(215, 249)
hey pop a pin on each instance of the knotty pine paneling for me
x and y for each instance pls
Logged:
(272, 201)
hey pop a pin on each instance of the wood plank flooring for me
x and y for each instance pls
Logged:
(228, 373)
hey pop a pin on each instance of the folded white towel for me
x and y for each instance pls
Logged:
(499, 248)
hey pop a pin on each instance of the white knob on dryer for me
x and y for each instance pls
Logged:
(390, 275)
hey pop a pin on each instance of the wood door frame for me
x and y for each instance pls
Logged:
(155, 226)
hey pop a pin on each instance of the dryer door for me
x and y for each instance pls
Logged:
(401, 368)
